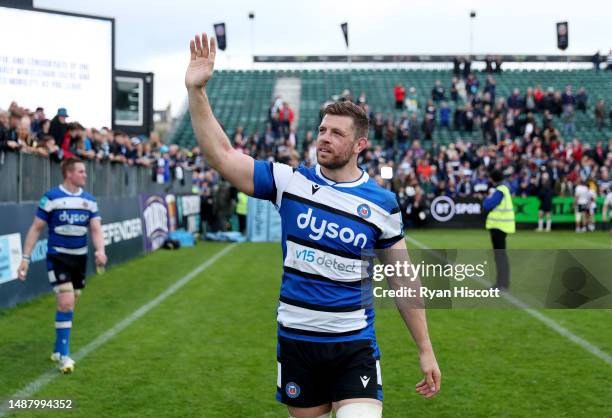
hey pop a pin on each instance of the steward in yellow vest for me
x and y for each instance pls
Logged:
(241, 210)
(500, 222)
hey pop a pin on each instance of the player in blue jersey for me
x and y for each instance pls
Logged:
(333, 213)
(69, 211)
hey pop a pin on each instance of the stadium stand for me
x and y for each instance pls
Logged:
(240, 98)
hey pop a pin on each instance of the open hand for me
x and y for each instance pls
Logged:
(430, 384)
(202, 62)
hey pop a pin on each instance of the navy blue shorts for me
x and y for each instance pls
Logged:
(64, 268)
(317, 373)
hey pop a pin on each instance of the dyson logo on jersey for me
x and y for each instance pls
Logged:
(330, 230)
(73, 218)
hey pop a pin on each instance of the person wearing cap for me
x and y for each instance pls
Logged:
(500, 222)
(59, 126)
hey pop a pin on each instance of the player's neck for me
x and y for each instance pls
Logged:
(345, 174)
(70, 187)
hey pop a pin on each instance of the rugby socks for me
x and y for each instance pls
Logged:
(63, 325)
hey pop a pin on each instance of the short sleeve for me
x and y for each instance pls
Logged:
(44, 208)
(392, 229)
(270, 180)
(93, 210)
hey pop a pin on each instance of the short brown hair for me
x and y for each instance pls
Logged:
(347, 108)
(68, 165)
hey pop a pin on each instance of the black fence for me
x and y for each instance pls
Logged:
(26, 177)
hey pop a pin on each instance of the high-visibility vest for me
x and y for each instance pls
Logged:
(241, 205)
(502, 216)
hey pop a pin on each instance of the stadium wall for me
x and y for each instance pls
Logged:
(123, 238)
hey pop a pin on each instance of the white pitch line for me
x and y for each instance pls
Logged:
(34, 386)
(542, 318)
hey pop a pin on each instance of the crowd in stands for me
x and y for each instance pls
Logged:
(525, 135)
(31, 132)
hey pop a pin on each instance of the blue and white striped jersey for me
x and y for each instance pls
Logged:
(67, 215)
(327, 227)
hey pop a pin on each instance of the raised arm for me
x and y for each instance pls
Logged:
(233, 165)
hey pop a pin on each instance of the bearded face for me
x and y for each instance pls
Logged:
(336, 142)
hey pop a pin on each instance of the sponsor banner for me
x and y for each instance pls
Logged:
(263, 221)
(155, 220)
(123, 235)
(526, 209)
(188, 212)
(446, 212)
(10, 256)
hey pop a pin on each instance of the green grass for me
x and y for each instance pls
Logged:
(210, 348)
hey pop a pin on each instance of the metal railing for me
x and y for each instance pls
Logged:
(26, 177)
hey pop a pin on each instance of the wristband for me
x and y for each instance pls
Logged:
(26, 258)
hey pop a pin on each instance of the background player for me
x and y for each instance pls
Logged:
(327, 351)
(582, 202)
(69, 211)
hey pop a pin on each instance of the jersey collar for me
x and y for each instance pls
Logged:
(63, 189)
(362, 179)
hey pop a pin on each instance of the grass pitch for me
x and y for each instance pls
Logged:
(210, 348)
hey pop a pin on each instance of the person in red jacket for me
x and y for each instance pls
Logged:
(71, 138)
(400, 95)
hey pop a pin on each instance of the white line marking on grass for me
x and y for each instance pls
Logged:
(27, 391)
(542, 318)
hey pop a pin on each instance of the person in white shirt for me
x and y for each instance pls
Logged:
(591, 212)
(582, 200)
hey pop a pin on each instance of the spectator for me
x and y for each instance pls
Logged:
(445, 116)
(6, 143)
(15, 116)
(596, 60)
(471, 85)
(567, 98)
(43, 129)
(529, 100)
(538, 95)
(581, 100)
(459, 119)
(378, 125)
(461, 91)
(25, 139)
(438, 92)
(48, 148)
(428, 126)
(412, 101)
(70, 140)
(490, 87)
(399, 92)
(568, 118)
(37, 118)
(453, 90)
(557, 104)
(498, 64)
(413, 127)
(515, 101)
(59, 127)
(467, 67)
(600, 114)
(548, 100)
(609, 61)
